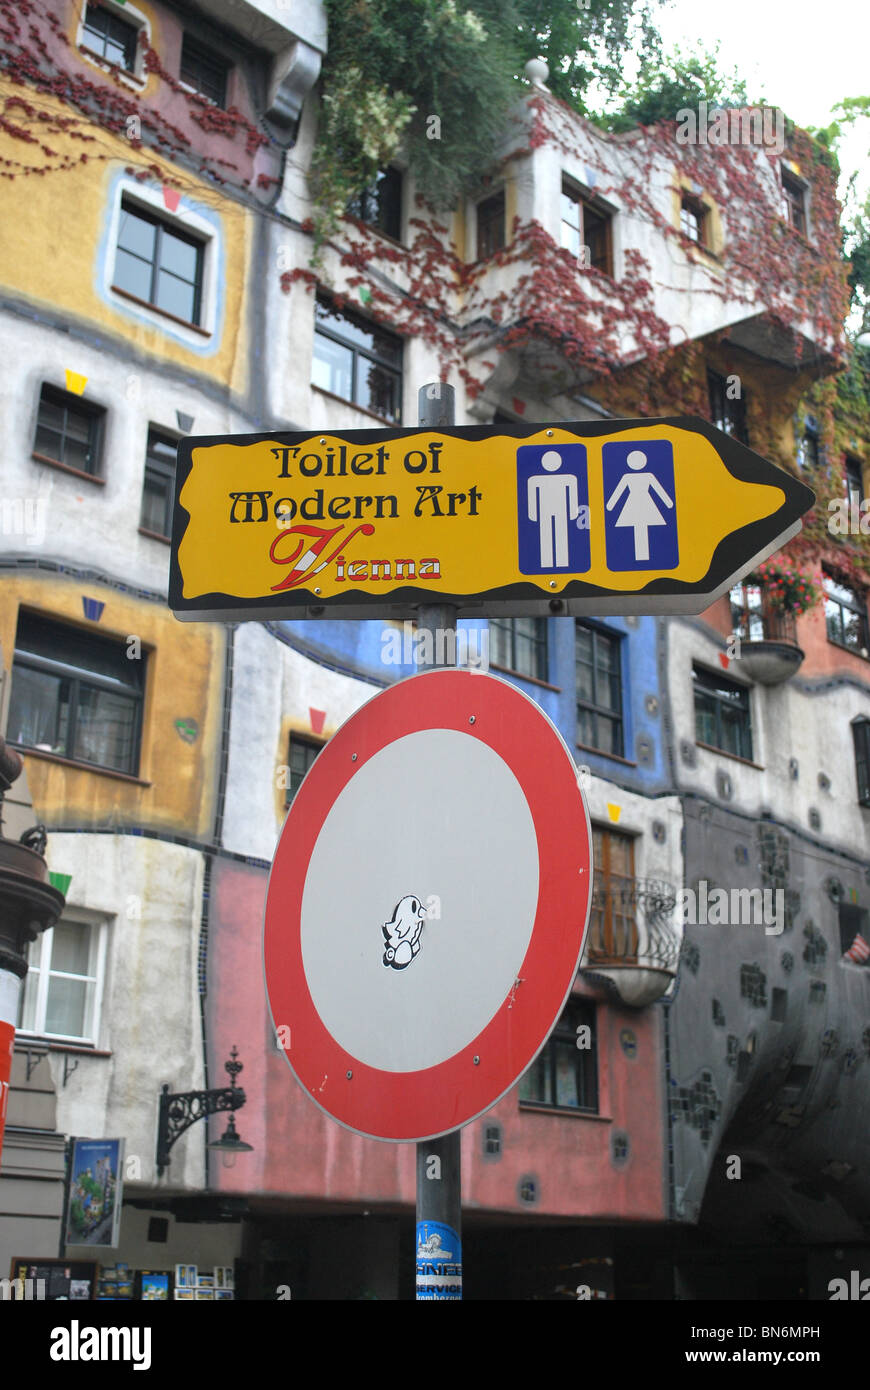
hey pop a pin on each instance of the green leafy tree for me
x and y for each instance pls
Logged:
(667, 85)
(436, 78)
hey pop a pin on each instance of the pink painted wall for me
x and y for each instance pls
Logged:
(300, 1152)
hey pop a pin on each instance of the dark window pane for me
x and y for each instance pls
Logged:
(203, 70)
(490, 225)
(353, 359)
(39, 710)
(105, 728)
(67, 430)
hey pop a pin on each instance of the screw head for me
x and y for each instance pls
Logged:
(348, 1074)
(323, 441)
(552, 585)
(476, 1061)
(549, 434)
(472, 719)
(317, 591)
(353, 757)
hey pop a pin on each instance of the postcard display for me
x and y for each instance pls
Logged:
(118, 1282)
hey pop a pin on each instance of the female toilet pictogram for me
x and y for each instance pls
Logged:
(639, 511)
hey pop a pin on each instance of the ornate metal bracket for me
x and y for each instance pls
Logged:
(181, 1109)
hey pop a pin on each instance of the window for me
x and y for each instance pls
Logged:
(809, 453)
(357, 361)
(852, 922)
(747, 619)
(728, 405)
(854, 481)
(111, 37)
(158, 492)
(693, 216)
(69, 431)
(490, 225)
(794, 203)
(845, 614)
(158, 264)
(61, 993)
(565, 1075)
(301, 755)
(586, 224)
(612, 925)
(722, 717)
(380, 205)
(203, 70)
(75, 694)
(520, 644)
(599, 690)
(861, 736)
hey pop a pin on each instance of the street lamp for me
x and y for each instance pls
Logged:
(179, 1110)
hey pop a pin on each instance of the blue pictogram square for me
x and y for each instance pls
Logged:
(553, 509)
(640, 505)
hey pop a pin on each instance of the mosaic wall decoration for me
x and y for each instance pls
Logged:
(816, 948)
(619, 1146)
(786, 960)
(690, 956)
(818, 990)
(753, 984)
(688, 753)
(732, 1048)
(699, 1105)
(718, 1014)
(724, 785)
(829, 1044)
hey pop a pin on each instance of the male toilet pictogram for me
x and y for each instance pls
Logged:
(552, 509)
(553, 502)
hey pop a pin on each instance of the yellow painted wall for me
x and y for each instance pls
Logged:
(177, 783)
(54, 223)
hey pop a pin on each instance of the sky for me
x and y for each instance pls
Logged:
(802, 56)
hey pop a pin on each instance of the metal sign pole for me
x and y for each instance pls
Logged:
(439, 1176)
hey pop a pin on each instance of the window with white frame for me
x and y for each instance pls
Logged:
(163, 264)
(110, 32)
(62, 992)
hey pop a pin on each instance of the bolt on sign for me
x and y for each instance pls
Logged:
(630, 516)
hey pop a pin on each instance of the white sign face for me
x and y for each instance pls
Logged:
(427, 905)
(435, 819)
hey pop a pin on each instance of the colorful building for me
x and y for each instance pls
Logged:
(599, 276)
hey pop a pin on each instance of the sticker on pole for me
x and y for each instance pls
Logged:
(427, 905)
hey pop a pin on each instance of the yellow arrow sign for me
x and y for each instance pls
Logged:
(510, 520)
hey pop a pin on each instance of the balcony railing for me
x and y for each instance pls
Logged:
(769, 648)
(631, 925)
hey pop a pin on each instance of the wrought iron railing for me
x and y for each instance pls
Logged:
(631, 923)
(756, 619)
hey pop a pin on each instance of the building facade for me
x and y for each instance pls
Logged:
(599, 276)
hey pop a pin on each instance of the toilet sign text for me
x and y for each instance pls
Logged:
(613, 516)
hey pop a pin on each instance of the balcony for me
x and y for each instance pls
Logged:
(633, 941)
(769, 651)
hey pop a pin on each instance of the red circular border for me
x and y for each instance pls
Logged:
(406, 1106)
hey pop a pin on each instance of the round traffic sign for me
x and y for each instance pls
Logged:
(427, 905)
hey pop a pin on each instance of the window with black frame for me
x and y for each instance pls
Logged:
(809, 449)
(854, 481)
(380, 204)
(301, 758)
(76, 694)
(111, 37)
(565, 1074)
(491, 231)
(159, 264)
(598, 671)
(861, 738)
(728, 405)
(520, 645)
(204, 71)
(794, 203)
(845, 614)
(158, 491)
(722, 714)
(68, 431)
(357, 360)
